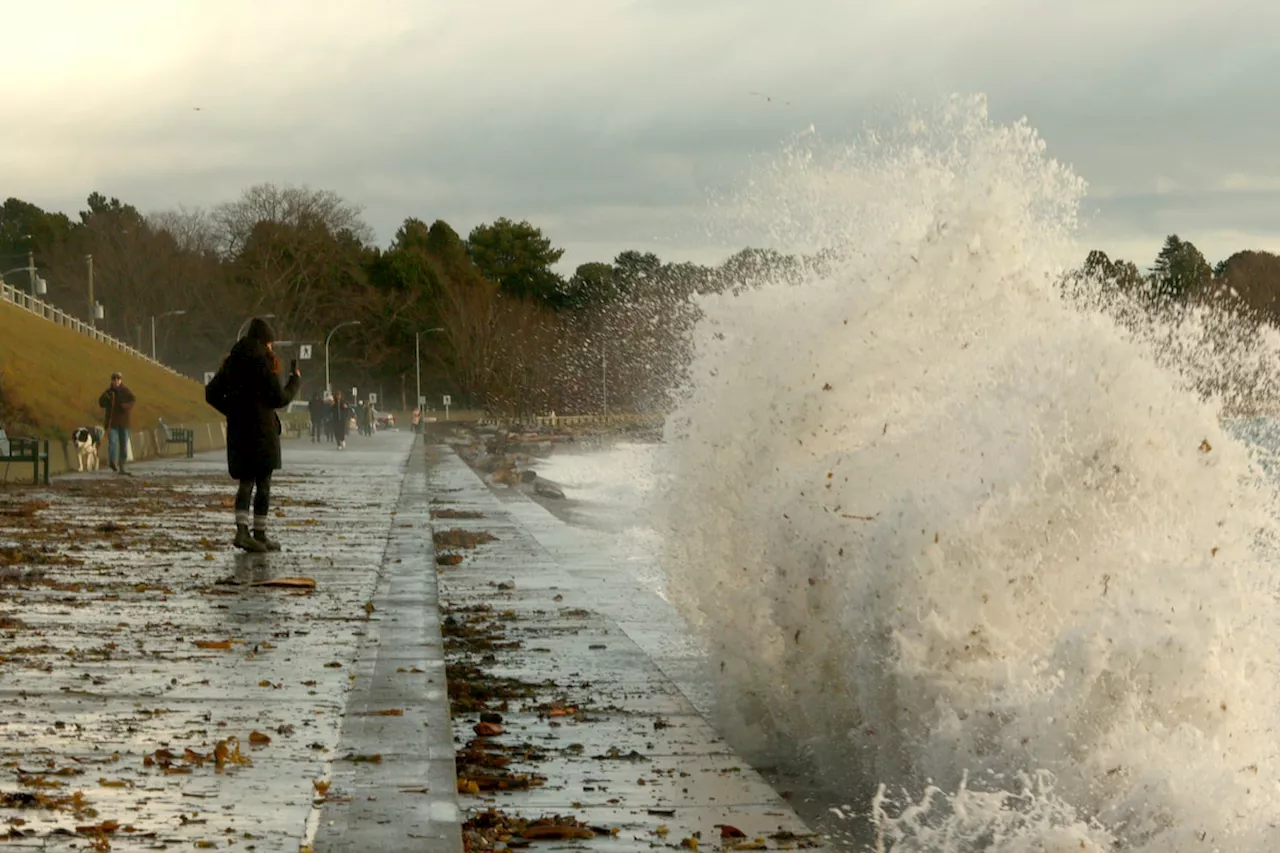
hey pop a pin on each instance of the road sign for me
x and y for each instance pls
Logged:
(422, 399)
(304, 352)
(208, 377)
(448, 401)
(373, 398)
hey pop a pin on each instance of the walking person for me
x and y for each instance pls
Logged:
(341, 414)
(362, 420)
(117, 403)
(315, 408)
(246, 389)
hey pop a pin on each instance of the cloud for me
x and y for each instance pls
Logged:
(610, 122)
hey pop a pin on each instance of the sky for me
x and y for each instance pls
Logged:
(611, 123)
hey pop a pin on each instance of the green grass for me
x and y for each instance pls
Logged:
(51, 378)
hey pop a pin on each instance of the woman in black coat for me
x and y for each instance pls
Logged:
(247, 391)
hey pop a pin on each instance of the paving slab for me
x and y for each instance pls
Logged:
(590, 675)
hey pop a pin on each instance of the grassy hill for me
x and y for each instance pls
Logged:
(51, 378)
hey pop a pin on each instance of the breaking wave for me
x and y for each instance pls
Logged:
(977, 552)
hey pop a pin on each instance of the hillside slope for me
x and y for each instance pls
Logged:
(51, 378)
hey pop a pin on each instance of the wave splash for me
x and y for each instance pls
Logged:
(977, 553)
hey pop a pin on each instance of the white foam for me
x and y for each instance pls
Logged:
(950, 535)
(610, 491)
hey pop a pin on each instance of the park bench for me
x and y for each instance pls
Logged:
(178, 435)
(22, 449)
(294, 426)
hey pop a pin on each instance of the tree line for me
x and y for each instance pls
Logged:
(1248, 281)
(499, 328)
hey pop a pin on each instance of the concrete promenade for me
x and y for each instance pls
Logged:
(164, 691)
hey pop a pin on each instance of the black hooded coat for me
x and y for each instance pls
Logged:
(247, 391)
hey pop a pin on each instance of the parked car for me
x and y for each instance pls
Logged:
(384, 420)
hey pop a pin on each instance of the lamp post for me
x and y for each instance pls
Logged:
(153, 327)
(417, 359)
(245, 324)
(327, 387)
(37, 283)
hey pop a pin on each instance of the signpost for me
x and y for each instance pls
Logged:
(422, 399)
(447, 401)
(304, 352)
(373, 398)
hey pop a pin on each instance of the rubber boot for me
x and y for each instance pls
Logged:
(260, 536)
(246, 542)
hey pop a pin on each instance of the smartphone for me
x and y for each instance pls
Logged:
(293, 366)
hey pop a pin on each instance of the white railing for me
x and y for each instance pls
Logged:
(27, 302)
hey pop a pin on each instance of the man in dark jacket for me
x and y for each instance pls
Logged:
(247, 391)
(117, 402)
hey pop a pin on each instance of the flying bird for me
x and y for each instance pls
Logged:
(767, 97)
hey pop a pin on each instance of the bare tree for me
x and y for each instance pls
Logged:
(299, 207)
(468, 315)
(193, 229)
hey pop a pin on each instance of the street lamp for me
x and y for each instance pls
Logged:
(245, 324)
(153, 327)
(327, 387)
(417, 359)
(37, 283)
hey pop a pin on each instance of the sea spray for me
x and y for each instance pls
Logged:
(961, 540)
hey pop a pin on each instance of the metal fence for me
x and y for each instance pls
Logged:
(27, 302)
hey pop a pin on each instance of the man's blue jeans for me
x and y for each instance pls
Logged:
(117, 446)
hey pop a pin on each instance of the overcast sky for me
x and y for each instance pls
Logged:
(609, 122)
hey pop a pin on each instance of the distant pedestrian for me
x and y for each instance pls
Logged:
(362, 418)
(416, 420)
(246, 389)
(341, 414)
(117, 403)
(316, 408)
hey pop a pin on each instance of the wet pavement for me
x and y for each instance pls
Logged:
(163, 690)
(571, 686)
(160, 690)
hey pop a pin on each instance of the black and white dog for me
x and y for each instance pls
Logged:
(86, 440)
